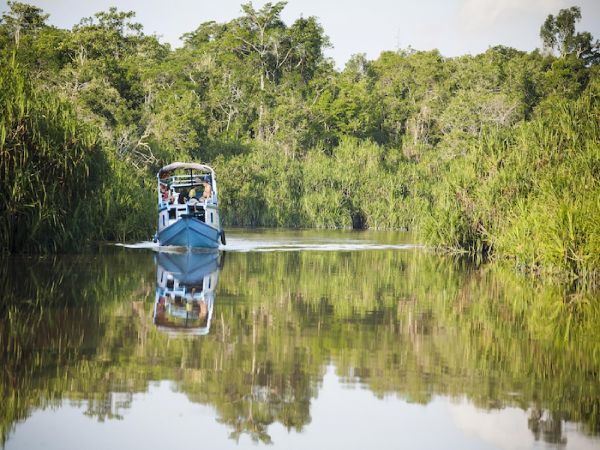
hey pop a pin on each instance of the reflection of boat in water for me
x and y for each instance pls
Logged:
(185, 292)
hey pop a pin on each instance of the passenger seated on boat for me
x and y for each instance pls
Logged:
(164, 192)
(161, 310)
(207, 190)
(203, 310)
(193, 193)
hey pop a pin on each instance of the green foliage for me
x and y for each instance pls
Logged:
(51, 165)
(471, 152)
(556, 226)
(489, 200)
(23, 19)
(260, 189)
(559, 33)
(60, 190)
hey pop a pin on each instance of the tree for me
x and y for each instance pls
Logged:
(261, 33)
(558, 33)
(308, 40)
(277, 55)
(22, 19)
(108, 34)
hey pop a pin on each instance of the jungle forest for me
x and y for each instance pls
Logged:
(495, 155)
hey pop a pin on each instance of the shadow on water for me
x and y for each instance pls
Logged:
(95, 330)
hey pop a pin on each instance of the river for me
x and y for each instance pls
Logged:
(297, 339)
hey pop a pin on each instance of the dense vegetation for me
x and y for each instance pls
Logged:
(409, 324)
(495, 154)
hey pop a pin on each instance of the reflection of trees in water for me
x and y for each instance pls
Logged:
(407, 324)
(107, 405)
(58, 331)
(253, 374)
(546, 426)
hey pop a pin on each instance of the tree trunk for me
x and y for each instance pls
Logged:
(261, 107)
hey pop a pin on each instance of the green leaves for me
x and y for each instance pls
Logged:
(558, 33)
(50, 162)
(470, 151)
(23, 19)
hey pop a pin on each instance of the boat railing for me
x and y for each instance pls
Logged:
(172, 188)
(185, 180)
(173, 202)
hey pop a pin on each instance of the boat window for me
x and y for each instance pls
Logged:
(163, 216)
(211, 218)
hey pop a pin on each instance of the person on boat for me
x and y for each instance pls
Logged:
(164, 191)
(207, 190)
(193, 193)
(203, 310)
(161, 312)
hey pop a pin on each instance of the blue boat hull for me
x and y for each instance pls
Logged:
(189, 232)
(189, 268)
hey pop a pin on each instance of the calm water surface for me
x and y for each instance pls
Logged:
(300, 340)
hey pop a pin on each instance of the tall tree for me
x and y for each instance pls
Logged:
(23, 18)
(558, 33)
(261, 32)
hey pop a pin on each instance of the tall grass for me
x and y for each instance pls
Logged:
(358, 185)
(50, 164)
(530, 193)
(61, 188)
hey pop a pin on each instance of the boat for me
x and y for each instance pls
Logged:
(185, 292)
(188, 211)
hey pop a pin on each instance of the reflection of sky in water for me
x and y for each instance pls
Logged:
(343, 417)
(507, 428)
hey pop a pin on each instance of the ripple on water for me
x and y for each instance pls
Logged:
(303, 240)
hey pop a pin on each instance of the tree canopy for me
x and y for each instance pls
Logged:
(558, 33)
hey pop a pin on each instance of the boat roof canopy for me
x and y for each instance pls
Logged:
(183, 165)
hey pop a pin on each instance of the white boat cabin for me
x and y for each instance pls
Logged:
(187, 189)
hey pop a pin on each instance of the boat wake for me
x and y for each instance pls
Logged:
(142, 245)
(248, 241)
(242, 245)
(150, 245)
